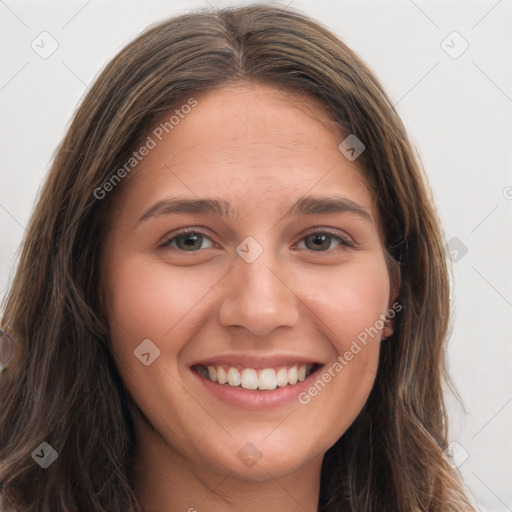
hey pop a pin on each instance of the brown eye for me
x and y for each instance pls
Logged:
(322, 241)
(188, 241)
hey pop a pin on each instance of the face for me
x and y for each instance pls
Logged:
(272, 290)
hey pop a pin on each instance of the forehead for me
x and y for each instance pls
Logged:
(255, 143)
(255, 115)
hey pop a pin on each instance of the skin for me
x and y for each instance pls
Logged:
(261, 149)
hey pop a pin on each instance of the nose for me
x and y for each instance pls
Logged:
(259, 296)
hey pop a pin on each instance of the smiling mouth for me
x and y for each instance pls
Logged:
(256, 379)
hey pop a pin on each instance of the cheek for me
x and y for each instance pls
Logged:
(350, 299)
(348, 305)
(147, 300)
(150, 301)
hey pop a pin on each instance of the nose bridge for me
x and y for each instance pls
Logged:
(257, 296)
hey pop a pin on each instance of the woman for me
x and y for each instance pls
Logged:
(185, 337)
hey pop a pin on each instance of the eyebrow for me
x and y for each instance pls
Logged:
(305, 205)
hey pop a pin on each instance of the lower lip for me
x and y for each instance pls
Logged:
(255, 399)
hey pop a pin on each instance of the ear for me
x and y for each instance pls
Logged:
(388, 329)
(395, 281)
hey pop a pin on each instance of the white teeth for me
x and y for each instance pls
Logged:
(234, 377)
(265, 379)
(292, 375)
(249, 379)
(282, 377)
(212, 373)
(222, 376)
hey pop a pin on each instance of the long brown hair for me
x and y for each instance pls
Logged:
(62, 386)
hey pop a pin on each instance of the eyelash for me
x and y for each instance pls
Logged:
(345, 242)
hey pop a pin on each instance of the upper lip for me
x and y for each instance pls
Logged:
(256, 361)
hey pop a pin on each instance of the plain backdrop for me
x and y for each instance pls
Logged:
(447, 67)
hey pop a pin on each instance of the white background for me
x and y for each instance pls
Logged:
(458, 112)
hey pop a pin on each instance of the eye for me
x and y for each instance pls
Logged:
(190, 240)
(187, 240)
(320, 241)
